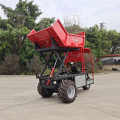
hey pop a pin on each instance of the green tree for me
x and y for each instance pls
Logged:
(97, 40)
(3, 24)
(114, 37)
(18, 22)
(14, 30)
(74, 29)
(35, 65)
(11, 65)
(24, 14)
(44, 23)
(4, 45)
(26, 52)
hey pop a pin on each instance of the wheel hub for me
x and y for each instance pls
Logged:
(71, 91)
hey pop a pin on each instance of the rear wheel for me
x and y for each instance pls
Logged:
(67, 91)
(44, 92)
(86, 87)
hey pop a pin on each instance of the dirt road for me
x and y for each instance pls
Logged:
(19, 100)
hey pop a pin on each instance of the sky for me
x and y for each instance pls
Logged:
(86, 13)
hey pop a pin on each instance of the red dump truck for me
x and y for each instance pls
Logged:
(69, 72)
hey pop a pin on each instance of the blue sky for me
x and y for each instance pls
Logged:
(89, 12)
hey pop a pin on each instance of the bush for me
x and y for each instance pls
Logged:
(89, 64)
(10, 65)
(99, 65)
(35, 66)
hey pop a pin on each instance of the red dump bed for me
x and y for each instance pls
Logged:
(58, 32)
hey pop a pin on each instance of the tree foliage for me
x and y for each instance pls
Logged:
(14, 30)
(114, 37)
(11, 65)
(74, 29)
(33, 67)
(101, 41)
(44, 23)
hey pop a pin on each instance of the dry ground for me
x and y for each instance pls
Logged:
(19, 100)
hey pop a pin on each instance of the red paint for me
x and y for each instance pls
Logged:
(50, 75)
(48, 82)
(59, 33)
(78, 56)
(114, 55)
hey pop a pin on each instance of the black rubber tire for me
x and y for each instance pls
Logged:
(44, 92)
(87, 87)
(62, 91)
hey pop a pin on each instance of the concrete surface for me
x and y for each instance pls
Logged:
(19, 100)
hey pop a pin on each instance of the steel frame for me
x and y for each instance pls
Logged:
(55, 49)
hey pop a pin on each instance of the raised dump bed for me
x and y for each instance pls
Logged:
(58, 32)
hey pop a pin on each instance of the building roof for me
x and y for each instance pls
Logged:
(113, 55)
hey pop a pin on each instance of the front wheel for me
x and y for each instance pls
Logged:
(67, 91)
(44, 92)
